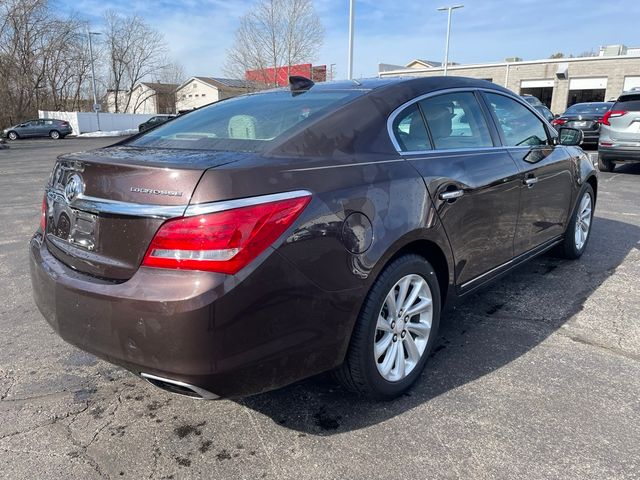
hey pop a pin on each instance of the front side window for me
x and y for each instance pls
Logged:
(455, 120)
(247, 123)
(520, 127)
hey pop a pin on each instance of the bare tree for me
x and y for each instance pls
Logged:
(135, 52)
(43, 62)
(275, 34)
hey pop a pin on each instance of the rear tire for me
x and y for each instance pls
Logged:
(409, 342)
(575, 242)
(12, 136)
(55, 135)
(605, 165)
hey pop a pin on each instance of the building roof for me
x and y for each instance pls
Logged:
(414, 70)
(159, 87)
(423, 63)
(225, 82)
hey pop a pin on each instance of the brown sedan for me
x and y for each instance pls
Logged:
(270, 237)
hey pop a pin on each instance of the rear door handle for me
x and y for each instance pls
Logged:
(451, 194)
(531, 181)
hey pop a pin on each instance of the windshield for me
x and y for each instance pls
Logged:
(247, 123)
(588, 108)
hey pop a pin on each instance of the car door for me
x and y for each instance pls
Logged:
(27, 129)
(545, 172)
(473, 182)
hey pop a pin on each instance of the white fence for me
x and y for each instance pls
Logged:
(83, 122)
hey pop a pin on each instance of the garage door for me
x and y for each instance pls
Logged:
(536, 83)
(588, 83)
(631, 82)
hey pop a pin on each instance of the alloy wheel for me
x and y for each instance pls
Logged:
(403, 327)
(583, 221)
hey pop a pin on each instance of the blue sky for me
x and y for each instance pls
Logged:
(392, 31)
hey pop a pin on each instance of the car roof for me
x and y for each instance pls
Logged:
(424, 84)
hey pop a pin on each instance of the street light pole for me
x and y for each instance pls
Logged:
(351, 13)
(446, 50)
(93, 77)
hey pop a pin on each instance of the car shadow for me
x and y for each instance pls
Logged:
(487, 331)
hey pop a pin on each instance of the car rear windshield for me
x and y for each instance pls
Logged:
(628, 103)
(245, 124)
(588, 108)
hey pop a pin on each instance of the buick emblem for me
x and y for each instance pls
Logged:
(74, 187)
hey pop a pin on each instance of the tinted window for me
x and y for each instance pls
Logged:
(455, 120)
(588, 108)
(247, 123)
(628, 105)
(409, 130)
(519, 125)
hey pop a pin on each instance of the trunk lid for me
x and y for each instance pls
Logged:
(104, 206)
(625, 128)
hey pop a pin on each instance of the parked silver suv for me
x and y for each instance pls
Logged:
(620, 132)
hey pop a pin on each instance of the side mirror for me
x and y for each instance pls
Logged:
(570, 137)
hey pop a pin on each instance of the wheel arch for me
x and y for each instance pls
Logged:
(433, 253)
(593, 181)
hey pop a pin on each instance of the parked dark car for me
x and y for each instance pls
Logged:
(532, 100)
(154, 122)
(620, 132)
(273, 236)
(545, 112)
(585, 117)
(43, 127)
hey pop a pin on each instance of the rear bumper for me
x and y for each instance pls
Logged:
(227, 335)
(620, 153)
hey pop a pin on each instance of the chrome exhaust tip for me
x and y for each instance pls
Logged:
(179, 388)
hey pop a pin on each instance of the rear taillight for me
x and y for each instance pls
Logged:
(224, 241)
(43, 214)
(558, 121)
(612, 114)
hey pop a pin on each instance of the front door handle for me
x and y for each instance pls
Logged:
(530, 182)
(451, 194)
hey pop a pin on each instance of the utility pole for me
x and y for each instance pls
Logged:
(351, 13)
(446, 50)
(96, 107)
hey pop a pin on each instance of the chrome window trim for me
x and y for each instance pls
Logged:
(221, 206)
(445, 91)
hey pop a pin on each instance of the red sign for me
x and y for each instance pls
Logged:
(280, 76)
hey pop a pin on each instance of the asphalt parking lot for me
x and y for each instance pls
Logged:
(537, 376)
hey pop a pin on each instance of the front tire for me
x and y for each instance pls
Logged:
(12, 136)
(395, 330)
(578, 231)
(54, 134)
(605, 165)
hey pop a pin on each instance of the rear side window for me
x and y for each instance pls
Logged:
(246, 123)
(520, 127)
(409, 130)
(455, 120)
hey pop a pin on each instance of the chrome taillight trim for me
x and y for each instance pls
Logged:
(117, 207)
(221, 206)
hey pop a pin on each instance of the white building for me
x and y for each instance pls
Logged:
(199, 91)
(145, 98)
